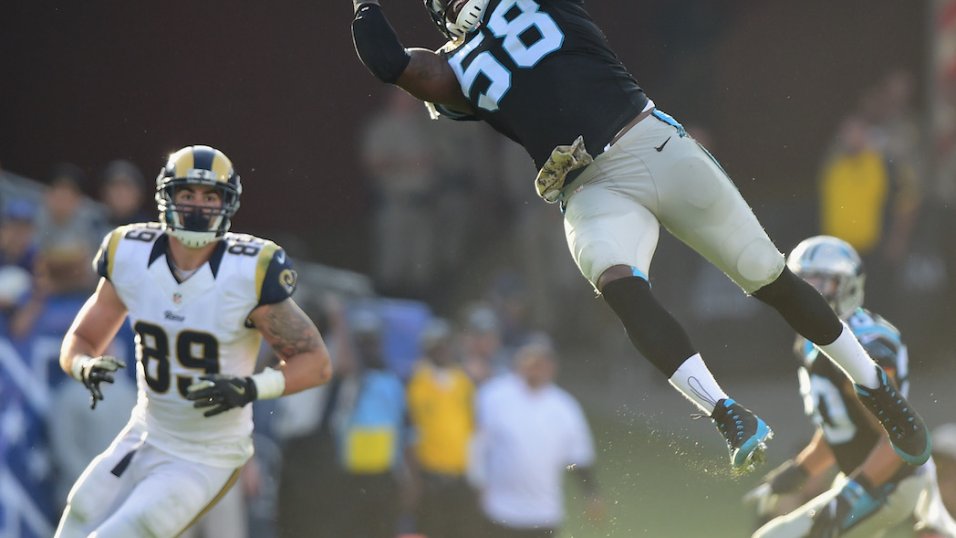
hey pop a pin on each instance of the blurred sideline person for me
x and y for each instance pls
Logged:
(875, 489)
(442, 419)
(370, 436)
(620, 169)
(78, 434)
(200, 300)
(123, 191)
(529, 433)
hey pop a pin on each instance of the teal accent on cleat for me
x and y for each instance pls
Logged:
(746, 433)
(906, 430)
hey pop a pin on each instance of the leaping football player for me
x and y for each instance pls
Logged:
(541, 73)
(199, 299)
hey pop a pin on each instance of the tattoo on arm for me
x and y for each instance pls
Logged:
(290, 332)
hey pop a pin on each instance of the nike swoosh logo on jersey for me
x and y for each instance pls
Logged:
(661, 147)
(280, 256)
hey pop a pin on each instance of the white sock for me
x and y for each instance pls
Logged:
(695, 381)
(848, 354)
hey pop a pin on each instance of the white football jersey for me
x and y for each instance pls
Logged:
(187, 329)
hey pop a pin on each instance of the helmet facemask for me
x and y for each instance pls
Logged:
(196, 225)
(468, 19)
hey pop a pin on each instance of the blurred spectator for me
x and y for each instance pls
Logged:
(62, 278)
(465, 203)
(69, 221)
(78, 434)
(483, 356)
(18, 243)
(530, 431)
(370, 437)
(18, 250)
(310, 466)
(864, 202)
(440, 409)
(510, 298)
(122, 192)
(537, 249)
(398, 158)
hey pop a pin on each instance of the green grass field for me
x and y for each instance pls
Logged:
(665, 484)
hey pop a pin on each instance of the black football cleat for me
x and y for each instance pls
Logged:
(746, 433)
(902, 423)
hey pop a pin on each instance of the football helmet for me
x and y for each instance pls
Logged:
(467, 20)
(833, 267)
(192, 225)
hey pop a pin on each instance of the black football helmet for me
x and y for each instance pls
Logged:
(200, 166)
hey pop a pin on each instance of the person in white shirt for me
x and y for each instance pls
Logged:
(529, 433)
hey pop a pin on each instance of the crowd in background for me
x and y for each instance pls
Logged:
(467, 268)
(389, 446)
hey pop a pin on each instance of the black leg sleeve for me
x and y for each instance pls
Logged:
(802, 306)
(652, 329)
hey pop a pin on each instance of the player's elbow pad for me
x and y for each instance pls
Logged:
(377, 44)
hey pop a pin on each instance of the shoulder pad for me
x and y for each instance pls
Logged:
(275, 277)
(104, 261)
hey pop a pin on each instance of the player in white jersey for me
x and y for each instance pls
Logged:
(200, 300)
(875, 490)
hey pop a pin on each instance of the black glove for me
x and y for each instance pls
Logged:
(787, 478)
(221, 392)
(853, 504)
(96, 370)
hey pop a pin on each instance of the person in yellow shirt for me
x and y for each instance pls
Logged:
(441, 414)
(871, 201)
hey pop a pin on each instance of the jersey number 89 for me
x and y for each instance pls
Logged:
(194, 350)
(550, 39)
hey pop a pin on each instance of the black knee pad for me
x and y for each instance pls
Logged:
(652, 329)
(802, 306)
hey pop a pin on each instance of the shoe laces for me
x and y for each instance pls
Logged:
(890, 408)
(730, 421)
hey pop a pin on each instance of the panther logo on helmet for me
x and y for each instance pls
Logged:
(192, 225)
(833, 267)
(467, 19)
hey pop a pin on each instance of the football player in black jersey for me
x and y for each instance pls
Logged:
(541, 73)
(875, 490)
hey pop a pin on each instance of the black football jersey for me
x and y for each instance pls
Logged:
(541, 73)
(828, 393)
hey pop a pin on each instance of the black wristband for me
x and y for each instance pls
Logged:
(789, 477)
(251, 389)
(377, 45)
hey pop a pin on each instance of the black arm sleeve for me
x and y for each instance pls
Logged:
(377, 45)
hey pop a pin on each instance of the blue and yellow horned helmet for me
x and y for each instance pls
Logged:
(197, 166)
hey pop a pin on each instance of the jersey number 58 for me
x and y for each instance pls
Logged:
(550, 39)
